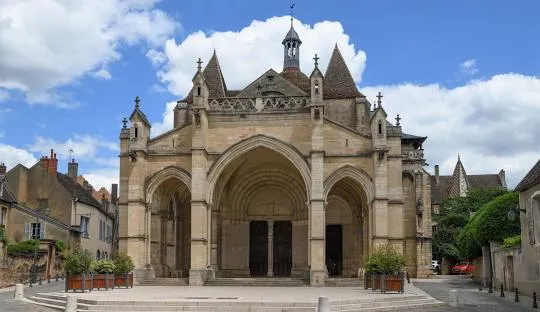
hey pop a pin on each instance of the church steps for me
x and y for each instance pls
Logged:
(386, 303)
(274, 281)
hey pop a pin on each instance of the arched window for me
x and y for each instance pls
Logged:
(98, 255)
(136, 131)
(198, 90)
(316, 87)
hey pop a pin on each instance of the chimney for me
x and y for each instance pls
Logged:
(2, 169)
(437, 174)
(44, 163)
(73, 170)
(104, 202)
(114, 193)
(53, 164)
(502, 178)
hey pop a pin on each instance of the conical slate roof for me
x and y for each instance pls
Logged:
(338, 81)
(291, 35)
(214, 80)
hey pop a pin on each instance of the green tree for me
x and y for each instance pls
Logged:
(454, 214)
(490, 223)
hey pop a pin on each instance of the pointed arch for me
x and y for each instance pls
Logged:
(166, 173)
(356, 174)
(232, 153)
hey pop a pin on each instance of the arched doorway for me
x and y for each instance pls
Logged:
(170, 223)
(348, 192)
(259, 216)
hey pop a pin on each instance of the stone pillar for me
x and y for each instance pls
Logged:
(149, 270)
(163, 243)
(214, 240)
(270, 271)
(179, 242)
(486, 257)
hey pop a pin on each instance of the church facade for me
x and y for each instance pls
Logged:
(292, 176)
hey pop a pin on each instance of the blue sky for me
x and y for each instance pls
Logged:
(464, 73)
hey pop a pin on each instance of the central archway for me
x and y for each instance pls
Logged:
(259, 215)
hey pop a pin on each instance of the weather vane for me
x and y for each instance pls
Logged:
(292, 12)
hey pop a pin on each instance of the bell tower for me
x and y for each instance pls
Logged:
(291, 50)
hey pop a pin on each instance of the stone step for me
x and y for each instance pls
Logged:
(383, 303)
(166, 282)
(256, 282)
(344, 282)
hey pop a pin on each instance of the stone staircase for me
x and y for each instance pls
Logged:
(386, 303)
(344, 282)
(166, 281)
(259, 281)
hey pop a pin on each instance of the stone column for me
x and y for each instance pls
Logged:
(149, 271)
(163, 244)
(270, 272)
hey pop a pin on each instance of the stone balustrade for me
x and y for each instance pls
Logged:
(259, 104)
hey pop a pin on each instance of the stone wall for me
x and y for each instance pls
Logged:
(16, 269)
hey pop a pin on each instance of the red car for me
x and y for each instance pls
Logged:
(462, 268)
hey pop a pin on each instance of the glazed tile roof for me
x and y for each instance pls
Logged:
(338, 81)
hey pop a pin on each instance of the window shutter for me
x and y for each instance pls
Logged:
(27, 229)
(41, 230)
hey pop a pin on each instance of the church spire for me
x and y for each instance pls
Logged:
(291, 48)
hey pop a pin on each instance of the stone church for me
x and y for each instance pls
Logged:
(293, 176)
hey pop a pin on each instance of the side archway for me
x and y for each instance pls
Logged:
(231, 154)
(163, 175)
(355, 174)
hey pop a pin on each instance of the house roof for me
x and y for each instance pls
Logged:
(338, 81)
(531, 178)
(5, 194)
(78, 191)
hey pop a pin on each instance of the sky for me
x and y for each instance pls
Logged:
(463, 73)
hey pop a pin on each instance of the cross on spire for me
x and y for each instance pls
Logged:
(137, 101)
(124, 121)
(199, 62)
(316, 58)
(379, 97)
(398, 119)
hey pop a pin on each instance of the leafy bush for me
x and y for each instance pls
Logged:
(60, 246)
(78, 262)
(103, 266)
(123, 264)
(386, 259)
(512, 241)
(3, 237)
(25, 247)
(490, 223)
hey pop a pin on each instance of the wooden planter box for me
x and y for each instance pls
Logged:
(79, 282)
(385, 282)
(103, 281)
(125, 280)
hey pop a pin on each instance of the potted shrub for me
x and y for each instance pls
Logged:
(103, 276)
(384, 270)
(77, 266)
(123, 265)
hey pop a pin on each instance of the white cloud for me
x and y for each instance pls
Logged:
(84, 147)
(102, 74)
(490, 123)
(248, 53)
(468, 67)
(13, 156)
(49, 43)
(168, 120)
(4, 95)
(102, 177)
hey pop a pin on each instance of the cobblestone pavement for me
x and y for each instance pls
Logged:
(473, 300)
(7, 304)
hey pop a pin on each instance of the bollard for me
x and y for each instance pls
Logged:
(535, 304)
(480, 287)
(19, 292)
(324, 306)
(454, 298)
(48, 279)
(40, 280)
(502, 291)
(516, 299)
(408, 278)
(57, 277)
(490, 288)
(71, 304)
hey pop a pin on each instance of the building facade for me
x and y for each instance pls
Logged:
(50, 205)
(527, 265)
(291, 176)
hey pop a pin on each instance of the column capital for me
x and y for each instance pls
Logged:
(148, 207)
